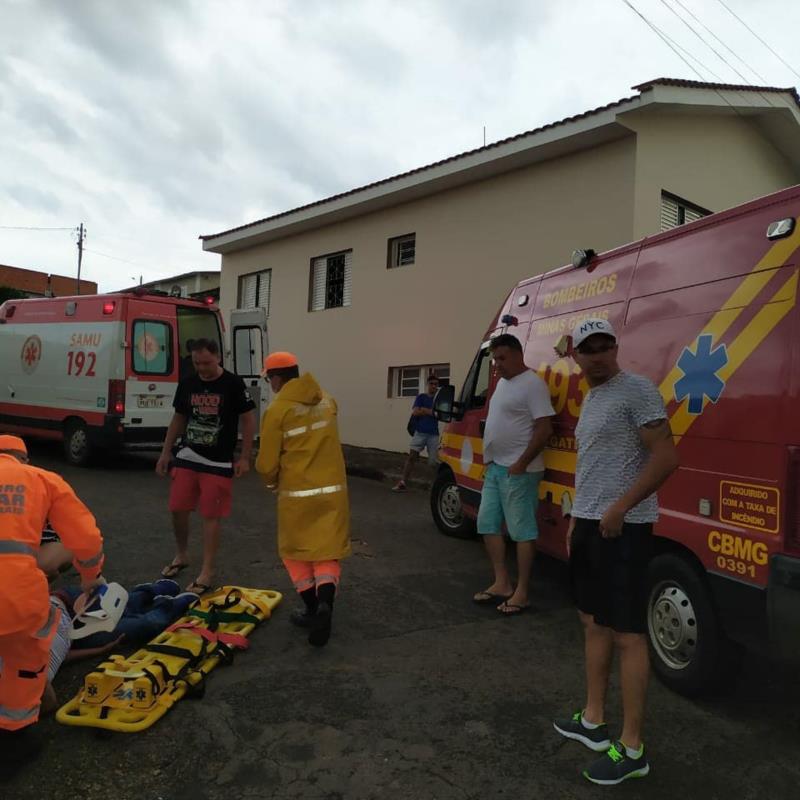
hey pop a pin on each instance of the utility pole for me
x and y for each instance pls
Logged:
(81, 237)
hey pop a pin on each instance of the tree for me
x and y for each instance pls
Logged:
(8, 293)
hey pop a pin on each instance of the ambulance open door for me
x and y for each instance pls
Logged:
(249, 345)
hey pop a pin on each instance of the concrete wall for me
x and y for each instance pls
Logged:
(473, 244)
(715, 161)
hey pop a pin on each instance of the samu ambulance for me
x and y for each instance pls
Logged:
(709, 312)
(99, 372)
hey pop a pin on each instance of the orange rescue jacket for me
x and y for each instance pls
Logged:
(28, 497)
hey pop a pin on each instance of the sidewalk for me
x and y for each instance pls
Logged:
(385, 466)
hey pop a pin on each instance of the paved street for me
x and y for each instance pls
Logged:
(420, 694)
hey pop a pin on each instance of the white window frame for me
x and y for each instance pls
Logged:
(675, 211)
(415, 377)
(319, 290)
(261, 293)
(396, 256)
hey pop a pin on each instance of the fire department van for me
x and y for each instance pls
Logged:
(709, 312)
(99, 371)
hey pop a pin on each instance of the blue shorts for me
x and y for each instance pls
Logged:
(426, 441)
(512, 499)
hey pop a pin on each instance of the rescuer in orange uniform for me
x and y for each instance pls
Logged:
(29, 496)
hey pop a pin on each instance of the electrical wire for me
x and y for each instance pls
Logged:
(663, 37)
(113, 258)
(31, 228)
(780, 58)
(716, 53)
(730, 50)
(713, 50)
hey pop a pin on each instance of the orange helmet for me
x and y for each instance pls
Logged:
(8, 442)
(278, 360)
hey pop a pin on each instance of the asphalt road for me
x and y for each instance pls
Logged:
(420, 694)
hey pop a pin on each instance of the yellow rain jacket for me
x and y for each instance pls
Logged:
(301, 455)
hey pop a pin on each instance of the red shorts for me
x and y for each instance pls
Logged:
(212, 491)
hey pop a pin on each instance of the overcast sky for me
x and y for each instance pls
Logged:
(156, 121)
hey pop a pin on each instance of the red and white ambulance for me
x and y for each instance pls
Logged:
(709, 312)
(100, 371)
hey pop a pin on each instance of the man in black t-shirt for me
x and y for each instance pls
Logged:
(208, 406)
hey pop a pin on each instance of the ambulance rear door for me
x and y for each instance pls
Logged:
(151, 369)
(249, 344)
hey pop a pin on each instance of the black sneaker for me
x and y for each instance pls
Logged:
(596, 739)
(617, 766)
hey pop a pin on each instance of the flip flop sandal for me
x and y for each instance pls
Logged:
(197, 588)
(505, 609)
(171, 570)
(488, 598)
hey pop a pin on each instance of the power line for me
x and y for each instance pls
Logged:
(693, 57)
(663, 37)
(713, 50)
(780, 58)
(113, 258)
(732, 52)
(27, 228)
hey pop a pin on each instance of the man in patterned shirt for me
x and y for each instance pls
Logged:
(625, 452)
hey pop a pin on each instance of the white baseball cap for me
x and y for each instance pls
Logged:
(589, 327)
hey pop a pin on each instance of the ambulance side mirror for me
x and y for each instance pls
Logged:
(445, 407)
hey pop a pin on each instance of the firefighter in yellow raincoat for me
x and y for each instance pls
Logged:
(300, 457)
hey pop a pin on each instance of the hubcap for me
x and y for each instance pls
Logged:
(78, 443)
(450, 506)
(673, 625)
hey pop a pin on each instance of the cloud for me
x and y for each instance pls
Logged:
(153, 122)
(35, 199)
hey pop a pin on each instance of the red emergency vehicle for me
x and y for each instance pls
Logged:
(708, 311)
(100, 371)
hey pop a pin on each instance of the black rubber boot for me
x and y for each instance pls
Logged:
(303, 617)
(321, 624)
(17, 748)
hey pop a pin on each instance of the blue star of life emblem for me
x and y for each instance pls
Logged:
(700, 370)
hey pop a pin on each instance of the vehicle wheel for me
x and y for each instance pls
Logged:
(686, 641)
(446, 508)
(77, 449)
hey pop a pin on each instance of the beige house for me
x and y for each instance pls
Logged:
(376, 287)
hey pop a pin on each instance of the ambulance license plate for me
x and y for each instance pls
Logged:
(149, 401)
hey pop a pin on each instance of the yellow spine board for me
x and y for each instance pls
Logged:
(130, 694)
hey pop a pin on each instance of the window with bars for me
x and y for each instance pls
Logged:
(675, 211)
(255, 290)
(331, 281)
(411, 381)
(402, 250)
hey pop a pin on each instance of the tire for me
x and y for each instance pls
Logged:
(446, 508)
(687, 645)
(77, 449)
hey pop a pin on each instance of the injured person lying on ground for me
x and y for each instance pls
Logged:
(150, 608)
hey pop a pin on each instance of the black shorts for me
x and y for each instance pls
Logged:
(609, 576)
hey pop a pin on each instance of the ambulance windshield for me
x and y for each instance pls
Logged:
(195, 323)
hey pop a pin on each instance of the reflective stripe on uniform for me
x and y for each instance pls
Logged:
(90, 562)
(313, 492)
(9, 547)
(304, 428)
(334, 579)
(47, 628)
(18, 714)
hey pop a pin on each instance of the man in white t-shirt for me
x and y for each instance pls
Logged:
(517, 430)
